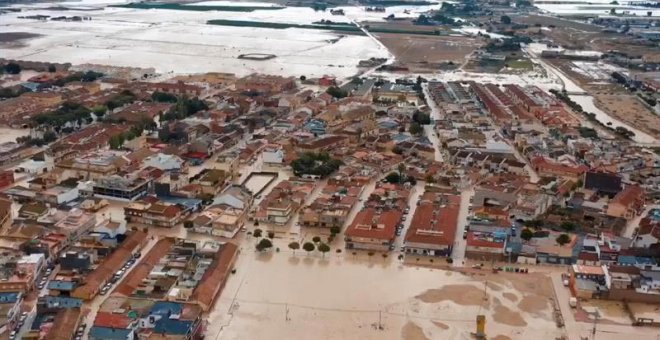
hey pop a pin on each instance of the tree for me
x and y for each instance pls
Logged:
(393, 177)
(52, 68)
(303, 78)
(294, 246)
(271, 235)
(336, 92)
(335, 230)
(12, 68)
(257, 233)
(324, 248)
(505, 19)
(415, 129)
(316, 239)
(309, 247)
(99, 110)
(319, 164)
(188, 224)
(163, 97)
(264, 244)
(429, 179)
(526, 234)
(568, 225)
(534, 223)
(563, 239)
(613, 11)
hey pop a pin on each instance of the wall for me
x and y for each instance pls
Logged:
(633, 296)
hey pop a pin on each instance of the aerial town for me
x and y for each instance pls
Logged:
(368, 169)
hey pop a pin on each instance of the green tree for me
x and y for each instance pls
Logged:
(309, 247)
(568, 225)
(415, 129)
(526, 234)
(271, 235)
(563, 239)
(99, 110)
(429, 179)
(613, 11)
(336, 92)
(12, 68)
(264, 244)
(505, 19)
(319, 164)
(335, 230)
(324, 248)
(294, 246)
(116, 141)
(162, 97)
(188, 224)
(393, 177)
(316, 239)
(52, 68)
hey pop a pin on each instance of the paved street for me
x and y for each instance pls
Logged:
(458, 253)
(415, 194)
(633, 224)
(429, 130)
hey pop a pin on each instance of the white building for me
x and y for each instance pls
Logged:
(164, 162)
(273, 155)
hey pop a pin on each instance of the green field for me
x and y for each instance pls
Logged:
(335, 26)
(277, 25)
(180, 7)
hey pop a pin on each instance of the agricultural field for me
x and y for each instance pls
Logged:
(424, 53)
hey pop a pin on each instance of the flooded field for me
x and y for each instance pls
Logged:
(282, 296)
(257, 182)
(10, 135)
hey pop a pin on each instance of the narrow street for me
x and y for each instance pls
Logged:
(416, 192)
(633, 224)
(429, 130)
(458, 253)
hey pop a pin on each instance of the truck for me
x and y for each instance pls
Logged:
(572, 301)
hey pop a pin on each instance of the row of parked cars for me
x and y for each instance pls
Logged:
(119, 274)
(21, 321)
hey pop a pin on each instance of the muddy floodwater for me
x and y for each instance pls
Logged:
(10, 135)
(280, 295)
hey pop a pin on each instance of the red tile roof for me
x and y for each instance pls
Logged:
(474, 241)
(112, 320)
(443, 231)
(629, 195)
(369, 224)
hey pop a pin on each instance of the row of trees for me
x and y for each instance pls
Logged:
(121, 99)
(68, 112)
(48, 137)
(184, 108)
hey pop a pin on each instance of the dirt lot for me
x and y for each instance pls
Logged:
(628, 108)
(422, 52)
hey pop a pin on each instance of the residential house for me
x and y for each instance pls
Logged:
(373, 230)
(433, 227)
(159, 214)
